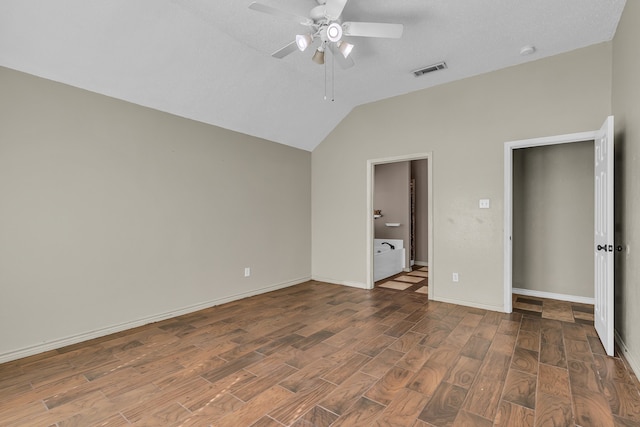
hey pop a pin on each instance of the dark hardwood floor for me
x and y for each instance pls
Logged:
(317, 354)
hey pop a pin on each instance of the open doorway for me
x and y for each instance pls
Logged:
(602, 244)
(553, 213)
(553, 217)
(401, 232)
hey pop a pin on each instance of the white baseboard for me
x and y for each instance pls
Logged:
(341, 282)
(421, 263)
(633, 362)
(551, 295)
(470, 304)
(97, 333)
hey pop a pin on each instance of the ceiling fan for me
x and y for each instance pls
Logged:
(325, 24)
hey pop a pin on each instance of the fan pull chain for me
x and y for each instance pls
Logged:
(333, 76)
(325, 80)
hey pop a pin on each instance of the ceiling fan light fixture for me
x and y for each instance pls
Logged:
(303, 41)
(334, 32)
(318, 57)
(345, 48)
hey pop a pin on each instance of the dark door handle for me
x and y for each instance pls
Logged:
(609, 248)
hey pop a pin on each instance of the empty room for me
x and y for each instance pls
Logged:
(190, 219)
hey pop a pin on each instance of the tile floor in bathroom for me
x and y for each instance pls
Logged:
(413, 281)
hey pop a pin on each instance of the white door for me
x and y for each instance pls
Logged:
(604, 245)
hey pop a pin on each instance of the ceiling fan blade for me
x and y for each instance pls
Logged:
(373, 29)
(333, 9)
(280, 13)
(343, 62)
(287, 50)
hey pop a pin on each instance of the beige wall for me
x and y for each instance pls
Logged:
(420, 174)
(626, 108)
(391, 195)
(553, 219)
(465, 125)
(111, 214)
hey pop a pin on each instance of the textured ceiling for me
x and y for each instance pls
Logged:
(209, 60)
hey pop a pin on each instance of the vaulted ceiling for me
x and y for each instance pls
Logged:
(210, 60)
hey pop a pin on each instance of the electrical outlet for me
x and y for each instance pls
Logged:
(247, 272)
(455, 277)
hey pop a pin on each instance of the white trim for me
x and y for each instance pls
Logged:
(97, 333)
(469, 304)
(508, 228)
(358, 285)
(552, 295)
(421, 263)
(628, 355)
(508, 197)
(369, 209)
(555, 140)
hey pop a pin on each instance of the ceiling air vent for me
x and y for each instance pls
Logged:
(430, 69)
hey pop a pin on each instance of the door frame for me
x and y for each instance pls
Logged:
(428, 156)
(508, 196)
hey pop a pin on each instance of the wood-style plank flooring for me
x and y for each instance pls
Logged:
(317, 354)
